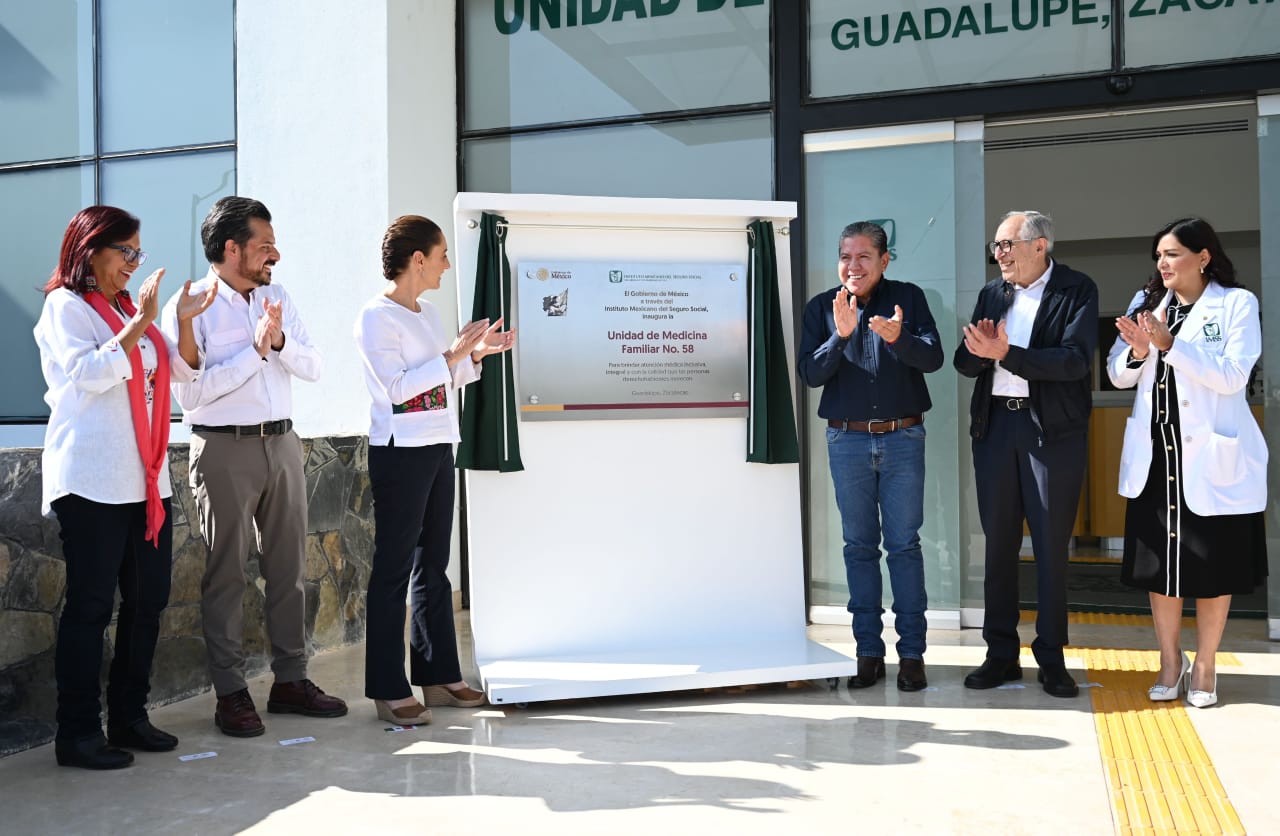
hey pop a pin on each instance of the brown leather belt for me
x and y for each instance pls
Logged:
(875, 426)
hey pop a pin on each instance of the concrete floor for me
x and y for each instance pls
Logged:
(788, 758)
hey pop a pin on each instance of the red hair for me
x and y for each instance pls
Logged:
(89, 231)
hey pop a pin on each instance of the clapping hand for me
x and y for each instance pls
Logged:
(845, 310)
(1158, 332)
(269, 332)
(888, 329)
(493, 342)
(470, 337)
(1135, 335)
(149, 297)
(986, 339)
(190, 306)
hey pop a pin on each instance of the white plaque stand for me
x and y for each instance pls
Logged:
(634, 556)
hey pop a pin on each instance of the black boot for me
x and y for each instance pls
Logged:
(870, 671)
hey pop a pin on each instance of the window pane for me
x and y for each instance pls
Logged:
(861, 48)
(532, 62)
(1182, 35)
(911, 191)
(34, 209)
(711, 158)
(46, 80)
(167, 74)
(170, 194)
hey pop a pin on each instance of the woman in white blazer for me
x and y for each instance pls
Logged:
(1194, 464)
(105, 474)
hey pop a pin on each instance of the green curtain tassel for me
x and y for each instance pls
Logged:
(771, 431)
(489, 429)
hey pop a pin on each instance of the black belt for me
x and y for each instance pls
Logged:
(252, 431)
(1012, 404)
(876, 426)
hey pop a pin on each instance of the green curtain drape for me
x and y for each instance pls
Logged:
(490, 432)
(771, 436)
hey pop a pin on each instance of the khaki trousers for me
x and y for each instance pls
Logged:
(247, 488)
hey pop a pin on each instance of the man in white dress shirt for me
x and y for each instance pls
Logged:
(1030, 345)
(246, 464)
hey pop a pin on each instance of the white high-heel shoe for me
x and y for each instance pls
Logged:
(1203, 699)
(1165, 693)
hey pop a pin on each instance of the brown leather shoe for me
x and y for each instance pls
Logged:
(303, 697)
(236, 716)
(911, 675)
(870, 671)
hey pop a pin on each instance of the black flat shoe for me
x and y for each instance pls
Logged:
(91, 753)
(141, 735)
(870, 671)
(993, 673)
(1057, 682)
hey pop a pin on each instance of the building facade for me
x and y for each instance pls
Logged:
(1114, 117)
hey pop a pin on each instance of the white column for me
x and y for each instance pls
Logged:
(345, 119)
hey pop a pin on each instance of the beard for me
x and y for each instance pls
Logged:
(261, 277)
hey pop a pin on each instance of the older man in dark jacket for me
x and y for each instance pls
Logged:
(1030, 345)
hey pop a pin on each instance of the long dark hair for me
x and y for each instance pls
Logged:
(1196, 235)
(89, 231)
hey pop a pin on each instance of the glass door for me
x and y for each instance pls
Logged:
(1269, 235)
(924, 184)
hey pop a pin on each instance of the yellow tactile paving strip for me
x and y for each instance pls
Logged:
(1160, 776)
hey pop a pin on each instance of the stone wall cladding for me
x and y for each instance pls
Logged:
(33, 578)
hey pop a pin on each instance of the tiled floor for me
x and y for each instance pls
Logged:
(798, 758)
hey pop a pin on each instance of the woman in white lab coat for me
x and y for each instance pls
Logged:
(1194, 464)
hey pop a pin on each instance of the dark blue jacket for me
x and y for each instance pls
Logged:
(864, 377)
(1057, 362)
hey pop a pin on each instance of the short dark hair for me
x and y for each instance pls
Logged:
(90, 230)
(228, 220)
(407, 235)
(871, 230)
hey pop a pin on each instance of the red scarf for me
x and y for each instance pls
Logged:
(152, 438)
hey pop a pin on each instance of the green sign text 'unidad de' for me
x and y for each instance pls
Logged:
(555, 14)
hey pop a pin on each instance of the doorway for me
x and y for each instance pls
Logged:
(1110, 180)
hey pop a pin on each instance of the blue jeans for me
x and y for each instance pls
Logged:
(879, 486)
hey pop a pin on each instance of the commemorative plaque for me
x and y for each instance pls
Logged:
(631, 340)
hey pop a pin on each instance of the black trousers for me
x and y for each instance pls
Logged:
(413, 491)
(1019, 478)
(104, 547)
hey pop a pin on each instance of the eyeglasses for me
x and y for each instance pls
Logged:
(131, 255)
(1002, 247)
